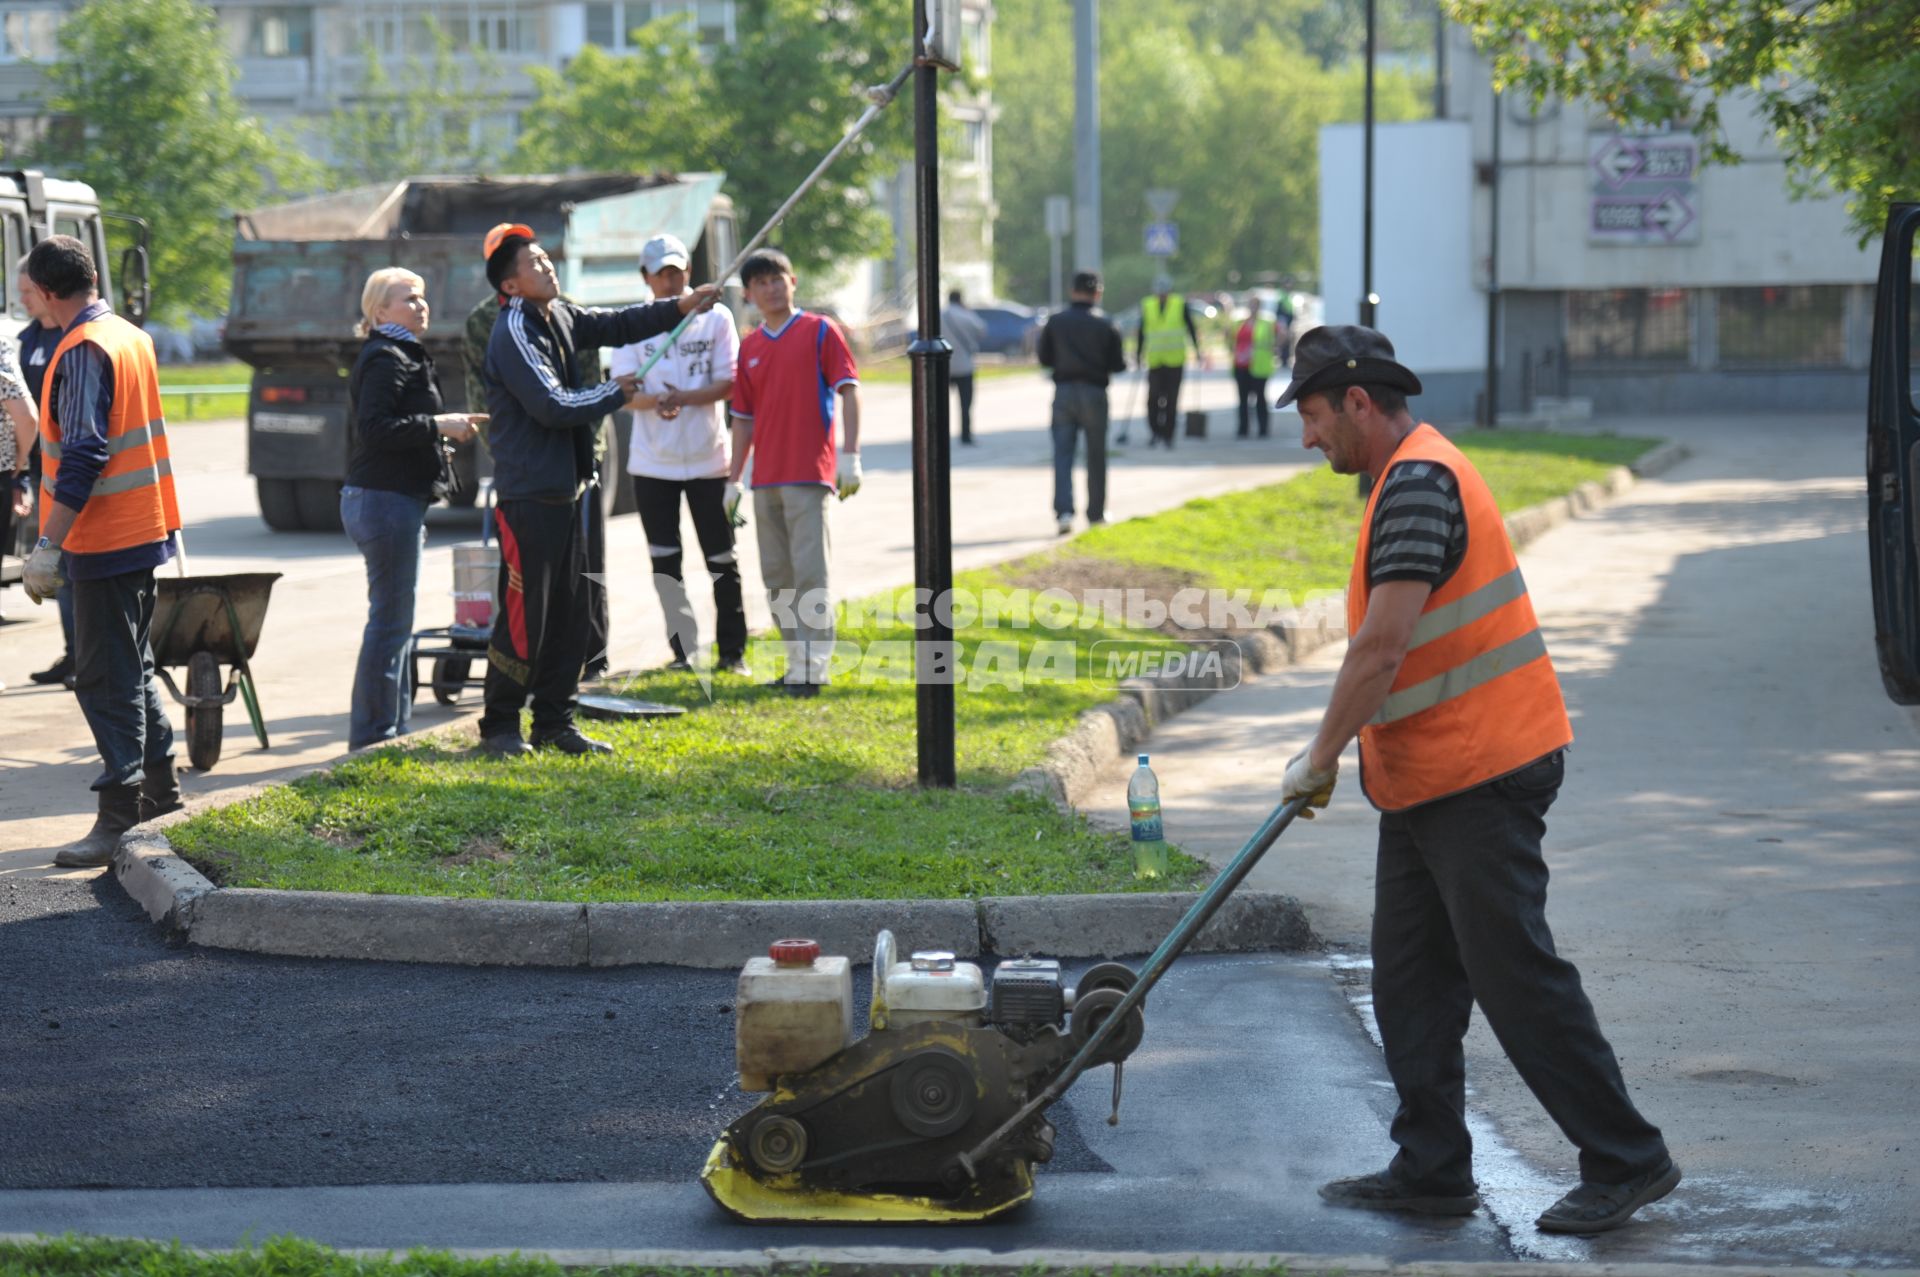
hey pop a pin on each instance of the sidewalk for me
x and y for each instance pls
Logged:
(1736, 865)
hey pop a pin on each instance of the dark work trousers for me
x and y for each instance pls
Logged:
(963, 383)
(659, 502)
(1249, 388)
(540, 636)
(113, 675)
(599, 623)
(1459, 916)
(1079, 409)
(1163, 402)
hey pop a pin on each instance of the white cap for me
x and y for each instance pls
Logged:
(663, 250)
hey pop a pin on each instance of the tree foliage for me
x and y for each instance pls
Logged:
(1838, 82)
(1220, 101)
(426, 119)
(159, 134)
(764, 109)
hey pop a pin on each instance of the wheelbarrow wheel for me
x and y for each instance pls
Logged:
(450, 677)
(204, 728)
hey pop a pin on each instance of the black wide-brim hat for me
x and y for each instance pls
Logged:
(1335, 355)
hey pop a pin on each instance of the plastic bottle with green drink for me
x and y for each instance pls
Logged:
(1149, 837)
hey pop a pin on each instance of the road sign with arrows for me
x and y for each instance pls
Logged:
(1643, 189)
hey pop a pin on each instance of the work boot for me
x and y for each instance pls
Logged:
(1595, 1208)
(504, 745)
(159, 791)
(570, 740)
(1383, 1191)
(119, 812)
(59, 672)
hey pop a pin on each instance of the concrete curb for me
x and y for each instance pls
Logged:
(882, 1261)
(717, 934)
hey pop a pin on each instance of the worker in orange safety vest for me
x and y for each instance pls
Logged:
(1463, 737)
(107, 502)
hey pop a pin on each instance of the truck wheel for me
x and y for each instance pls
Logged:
(204, 728)
(280, 503)
(319, 504)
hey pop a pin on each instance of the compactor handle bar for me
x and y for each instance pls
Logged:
(1156, 966)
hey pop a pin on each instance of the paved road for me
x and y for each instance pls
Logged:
(548, 1109)
(1002, 504)
(1736, 867)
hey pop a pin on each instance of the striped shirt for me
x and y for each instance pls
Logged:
(1419, 526)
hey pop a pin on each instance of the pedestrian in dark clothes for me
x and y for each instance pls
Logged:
(1083, 348)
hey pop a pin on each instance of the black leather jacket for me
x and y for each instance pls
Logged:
(396, 394)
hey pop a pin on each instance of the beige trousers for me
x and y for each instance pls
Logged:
(790, 523)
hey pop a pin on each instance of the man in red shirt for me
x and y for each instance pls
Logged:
(793, 370)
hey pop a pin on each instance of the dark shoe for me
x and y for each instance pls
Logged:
(597, 669)
(504, 745)
(570, 741)
(159, 792)
(1381, 1191)
(1595, 1208)
(680, 664)
(61, 671)
(803, 691)
(736, 665)
(119, 812)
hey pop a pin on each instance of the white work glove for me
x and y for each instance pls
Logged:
(846, 480)
(1304, 781)
(732, 495)
(42, 577)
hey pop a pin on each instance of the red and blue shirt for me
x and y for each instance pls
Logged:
(787, 382)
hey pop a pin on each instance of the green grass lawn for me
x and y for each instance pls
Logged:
(751, 795)
(202, 407)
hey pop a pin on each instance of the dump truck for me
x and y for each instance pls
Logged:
(298, 271)
(34, 206)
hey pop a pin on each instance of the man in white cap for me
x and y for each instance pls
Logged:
(679, 447)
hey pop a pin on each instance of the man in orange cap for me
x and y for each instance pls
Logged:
(542, 436)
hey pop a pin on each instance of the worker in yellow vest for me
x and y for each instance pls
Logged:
(1463, 739)
(1166, 326)
(1256, 350)
(107, 502)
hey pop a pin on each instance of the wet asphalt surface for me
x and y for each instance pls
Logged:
(129, 1061)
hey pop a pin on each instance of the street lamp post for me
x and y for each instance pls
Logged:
(1368, 300)
(934, 654)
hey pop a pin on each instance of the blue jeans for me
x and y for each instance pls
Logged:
(391, 530)
(1079, 409)
(113, 675)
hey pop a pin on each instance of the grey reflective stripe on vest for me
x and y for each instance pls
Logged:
(132, 479)
(1461, 679)
(49, 448)
(137, 438)
(1468, 608)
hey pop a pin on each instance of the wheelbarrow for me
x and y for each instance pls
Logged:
(202, 623)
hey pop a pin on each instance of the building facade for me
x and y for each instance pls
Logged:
(300, 62)
(1627, 273)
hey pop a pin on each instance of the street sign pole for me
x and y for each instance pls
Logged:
(1367, 298)
(934, 655)
(1493, 274)
(1086, 135)
(1059, 221)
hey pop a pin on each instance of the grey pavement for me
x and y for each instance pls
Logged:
(166, 1092)
(1736, 867)
(1002, 508)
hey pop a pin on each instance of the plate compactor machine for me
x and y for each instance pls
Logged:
(938, 1114)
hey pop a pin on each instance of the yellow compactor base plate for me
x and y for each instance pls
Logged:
(788, 1201)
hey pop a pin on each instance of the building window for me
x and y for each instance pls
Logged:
(1802, 326)
(279, 33)
(611, 23)
(604, 25)
(412, 30)
(28, 34)
(974, 141)
(973, 39)
(1625, 326)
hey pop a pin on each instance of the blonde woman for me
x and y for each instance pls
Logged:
(396, 471)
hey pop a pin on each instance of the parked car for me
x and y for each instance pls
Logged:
(1013, 330)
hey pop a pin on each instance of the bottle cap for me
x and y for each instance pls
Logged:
(794, 953)
(1143, 760)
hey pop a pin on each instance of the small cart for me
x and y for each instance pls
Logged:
(202, 623)
(455, 648)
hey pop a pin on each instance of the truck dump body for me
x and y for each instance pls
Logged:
(299, 269)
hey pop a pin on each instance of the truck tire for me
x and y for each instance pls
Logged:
(280, 503)
(319, 505)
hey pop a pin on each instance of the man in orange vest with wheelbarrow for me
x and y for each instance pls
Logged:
(1463, 738)
(107, 501)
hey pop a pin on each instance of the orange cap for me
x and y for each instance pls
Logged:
(500, 232)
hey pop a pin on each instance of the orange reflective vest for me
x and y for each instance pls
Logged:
(1476, 698)
(132, 502)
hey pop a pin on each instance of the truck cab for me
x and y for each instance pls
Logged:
(1893, 457)
(32, 207)
(298, 270)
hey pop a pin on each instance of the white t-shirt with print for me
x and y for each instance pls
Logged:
(694, 444)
